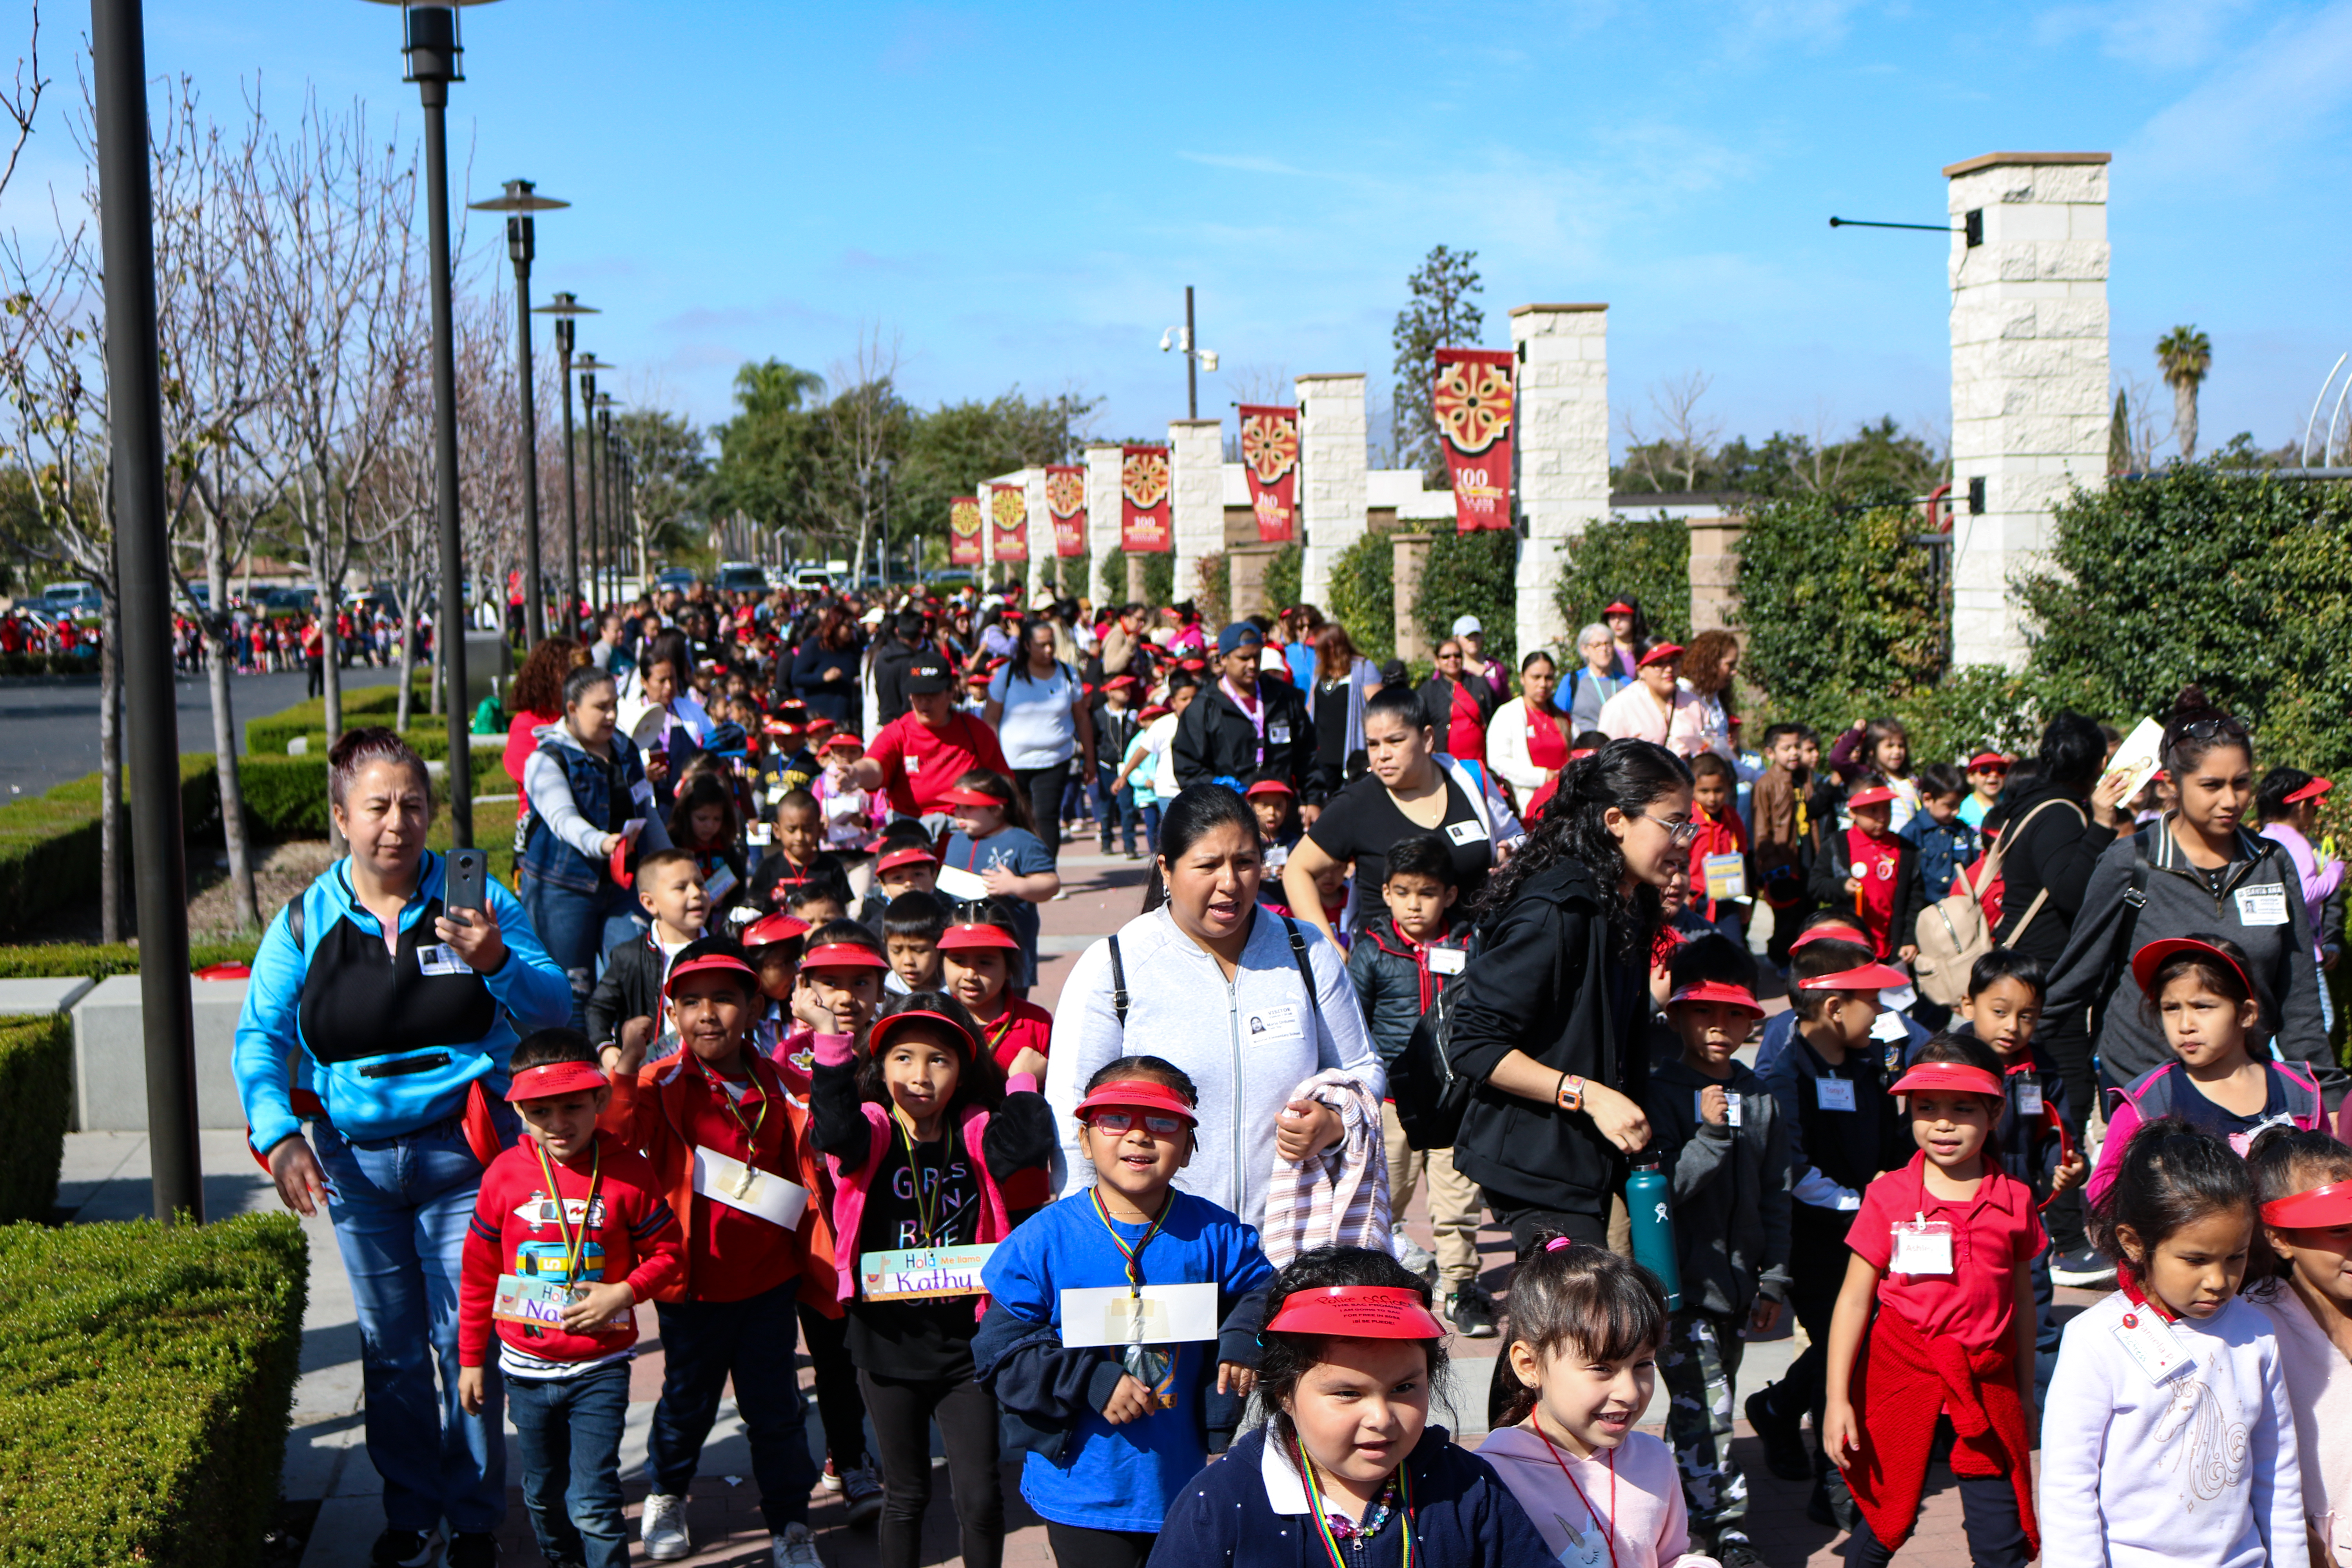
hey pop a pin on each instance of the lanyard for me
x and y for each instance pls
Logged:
(1322, 1516)
(2139, 1298)
(1607, 1527)
(926, 1213)
(992, 1034)
(1134, 1254)
(575, 1245)
(751, 1130)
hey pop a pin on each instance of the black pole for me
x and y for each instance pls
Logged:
(520, 238)
(612, 501)
(143, 590)
(1191, 361)
(588, 435)
(563, 330)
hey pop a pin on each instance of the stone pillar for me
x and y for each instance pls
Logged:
(1333, 488)
(1249, 563)
(1041, 528)
(1412, 556)
(1102, 516)
(1196, 498)
(1563, 441)
(2029, 393)
(1713, 574)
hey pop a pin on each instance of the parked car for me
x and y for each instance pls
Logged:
(678, 577)
(811, 579)
(70, 599)
(740, 577)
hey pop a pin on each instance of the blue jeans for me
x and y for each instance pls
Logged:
(568, 1432)
(703, 1344)
(1150, 814)
(1113, 808)
(578, 930)
(400, 1207)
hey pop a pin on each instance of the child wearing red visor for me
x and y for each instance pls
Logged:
(1874, 871)
(2304, 1183)
(1113, 1428)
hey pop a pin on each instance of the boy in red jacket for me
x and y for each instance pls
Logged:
(731, 1152)
(570, 1233)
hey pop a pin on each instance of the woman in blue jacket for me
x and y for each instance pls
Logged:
(387, 1024)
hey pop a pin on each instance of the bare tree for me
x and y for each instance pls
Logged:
(23, 100)
(1676, 443)
(868, 420)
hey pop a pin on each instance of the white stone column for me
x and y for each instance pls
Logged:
(2030, 393)
(1196, 501)
(1563, 451)
(1102, 518)
(1040, 527)
(1333, 488)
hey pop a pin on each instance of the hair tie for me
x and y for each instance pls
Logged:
(1557, 1242)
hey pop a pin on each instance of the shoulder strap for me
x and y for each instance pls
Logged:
(1306, 972)
(294, 919)
(1117, 982)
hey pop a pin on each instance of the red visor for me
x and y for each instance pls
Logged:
(976, 934)
(710, 963)
(770, 929)
(821, 726)
(1830, 934)
(1925, 1078)
(1620, 608)
(843, 955)
(1716, 990)
(785, 726)
(550, 1079)
(910, 856)
(845, 742)
(1868, 978)
(1876, 795)
(884, 1027)
(1136, 1094)
(1116, 681)
(622, 876)
(2148, 958)
(1984, 760)
(1357, 1312)
(1659, 655)
(1270, 786)
(1154, 712)
(971, 797)
(2319, 1209)
(2311, 790)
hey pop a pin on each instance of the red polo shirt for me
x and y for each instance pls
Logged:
(919, 764)
(1994, 1234)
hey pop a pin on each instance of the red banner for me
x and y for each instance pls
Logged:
(1008, 508)
(1065, 502)
(1143, 486)
(1473, 401)
(963, 530)
(1270, 458)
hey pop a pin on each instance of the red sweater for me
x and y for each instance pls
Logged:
(632, 1234)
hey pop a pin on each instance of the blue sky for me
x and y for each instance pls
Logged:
(1020, 193)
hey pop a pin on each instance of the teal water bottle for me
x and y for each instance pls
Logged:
(1649, 1205)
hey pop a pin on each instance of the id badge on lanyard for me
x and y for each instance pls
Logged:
(1922, 1245)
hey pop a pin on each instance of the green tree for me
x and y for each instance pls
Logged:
(2119, 458)
(1835, 598)
(1443, 313)
(955, 446)
(766, 452)
(1645, 558)
(1284, 569)
(1363, 596)
(1478, 575)
(673, 471)
(2185, 354)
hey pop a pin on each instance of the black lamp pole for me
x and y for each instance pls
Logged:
(143, 599)
(519, 203)
(588, 365)
(612, 497)
(564, 307)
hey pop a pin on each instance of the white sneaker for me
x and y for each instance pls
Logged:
(796, 1548)
(1416, 1258)
(664, 1530)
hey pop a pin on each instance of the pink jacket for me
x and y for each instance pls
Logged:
(2156, 1092)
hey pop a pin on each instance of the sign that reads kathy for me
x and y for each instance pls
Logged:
(922, 1271)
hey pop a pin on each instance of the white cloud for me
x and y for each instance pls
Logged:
(2283, 91)
(2163, 35)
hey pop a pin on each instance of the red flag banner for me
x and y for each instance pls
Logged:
(1066, 502)
(1270, 458)
(1008, 508)
(1474, 400)
(1144, 485)
(963, 530)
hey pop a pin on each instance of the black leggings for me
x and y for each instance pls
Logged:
(2069, 1043)
(1044, 788)
(903, 1410)
(1988, 1514)
(1525, 1221)
(1077, 1547)
(840, 1409)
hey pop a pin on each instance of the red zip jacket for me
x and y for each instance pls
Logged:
(632, 1234)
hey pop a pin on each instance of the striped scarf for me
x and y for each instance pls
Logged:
(1341, 1196)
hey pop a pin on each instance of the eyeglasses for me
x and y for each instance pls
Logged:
(2208, 729)
(1122, 1123)
(1681, 834)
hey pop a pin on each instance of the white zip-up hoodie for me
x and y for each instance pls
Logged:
(1246, 1044)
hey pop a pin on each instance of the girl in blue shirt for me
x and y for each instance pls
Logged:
(992, 842)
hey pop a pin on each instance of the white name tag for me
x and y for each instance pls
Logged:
(1278, 734)
(1108, 1315)
(2262, 906)
(1730, 1106)
(763, 1195)
(1834, 1093)
(759, 835)
(1447, 960)
(440, 958)
(642, 792)
(1888, 1024)
(542, 1304)
(2028, 1100)
(923, 1271)
(1471, 832)
(1270, 1024)
(961, 885)
(1922, 1247)
(2151, 1342)
(721, 883)
(1727, 876)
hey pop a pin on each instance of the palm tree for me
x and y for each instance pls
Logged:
(2185, 354)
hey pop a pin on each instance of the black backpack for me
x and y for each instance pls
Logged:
(1429, 1096)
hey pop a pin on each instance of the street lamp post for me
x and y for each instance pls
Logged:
(519, 203)
(564, 307)
(436, 56)
(588, 365)
(612, 497)
(1196, 359)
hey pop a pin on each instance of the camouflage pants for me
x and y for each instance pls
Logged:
(1701, 1355)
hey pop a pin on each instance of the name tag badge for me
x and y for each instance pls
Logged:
(2151, 1342)
(2028, 1100)
(1271, 1022)
(763, 1194)
(1278, 734)
(1727, 876)
(1834, 1093)
(1447, 960)
(541, 1302)
(1471, 832)
(923, 1271)
(759, 835)
(1109, 1315)
(642, 792)
(1730, 1106)
(1888, 1024)
(1922, 1247)
(960, 884)
(2262, 906)
(440, 958)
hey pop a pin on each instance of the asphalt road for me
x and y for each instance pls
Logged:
(48, 726)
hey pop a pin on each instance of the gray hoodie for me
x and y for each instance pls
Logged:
(1730, 1185)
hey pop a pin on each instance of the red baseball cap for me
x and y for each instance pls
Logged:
(974, 934)
(1830, 932)
(1983, 759)
(1136, 1094)
(1269, 787)
(1952, 1077)
(1116, 681)
(1357, 1312)
(911, 855)
(1153, 711)
(1717, 991)
(770, 929)
(1876, 795)
(843, 955)
(847, 740)
(710, 963)
(884, 1027)
(1864, 977)
(2312, 791)
(2150, 957)
(550, 1079)
(2318, 1208)
(961, 796)
(1659, 655)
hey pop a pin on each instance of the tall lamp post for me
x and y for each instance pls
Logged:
(612, 497)
(588, 365)
(436, 56)
(519, 203)
(1196, 360)
(565, 309)
(142, 586)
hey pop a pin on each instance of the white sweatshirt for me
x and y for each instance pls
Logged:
(2197, 1469)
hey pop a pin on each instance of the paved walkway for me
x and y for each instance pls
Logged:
(106, 1177)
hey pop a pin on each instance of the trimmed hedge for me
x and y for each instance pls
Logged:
(1646, 559)
(100, 961)
(1363, 594)
(146, 1384)
(75, 663)
(1472, 574)
(36, 1095)
(49, 844)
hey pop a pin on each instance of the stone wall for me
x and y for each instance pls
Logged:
(1563, 450)
(1102, 515)
(1333, 490)
(1196, 510)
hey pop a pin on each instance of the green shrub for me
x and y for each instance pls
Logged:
(1834, 597)
(1284, 570)
(61, 960)
(36, 1095)
(1475, 575)
(49, 844)
(1158, 578)
(1645, 559)
(1363, 596)
(146, 1382)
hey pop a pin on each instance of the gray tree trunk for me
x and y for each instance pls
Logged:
(2184, 415)
(218, 658)
(112, 926)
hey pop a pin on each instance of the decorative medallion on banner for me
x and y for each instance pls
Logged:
(1270, 458)
(1472, 401)
(1065, 502)
(963, 530)
(1008, 508)
(1143, 528)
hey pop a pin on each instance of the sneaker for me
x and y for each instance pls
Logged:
(1416, 1258)
(1831, 1504)
(406, 1548)
(863, 1489)
(664, 1530)
(1473, 1311)
(473, 1548)
(1784, 1445)
(1734, 1551)
(796, 1548)
(2086, 1267)
(832, 1478)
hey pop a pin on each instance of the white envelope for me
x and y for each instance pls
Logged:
(961, 885)
(1161, 1314)
(724, 1179)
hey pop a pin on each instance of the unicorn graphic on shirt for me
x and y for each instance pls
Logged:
(2214, 1460)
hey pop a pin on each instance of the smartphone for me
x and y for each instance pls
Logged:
(463, 884)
